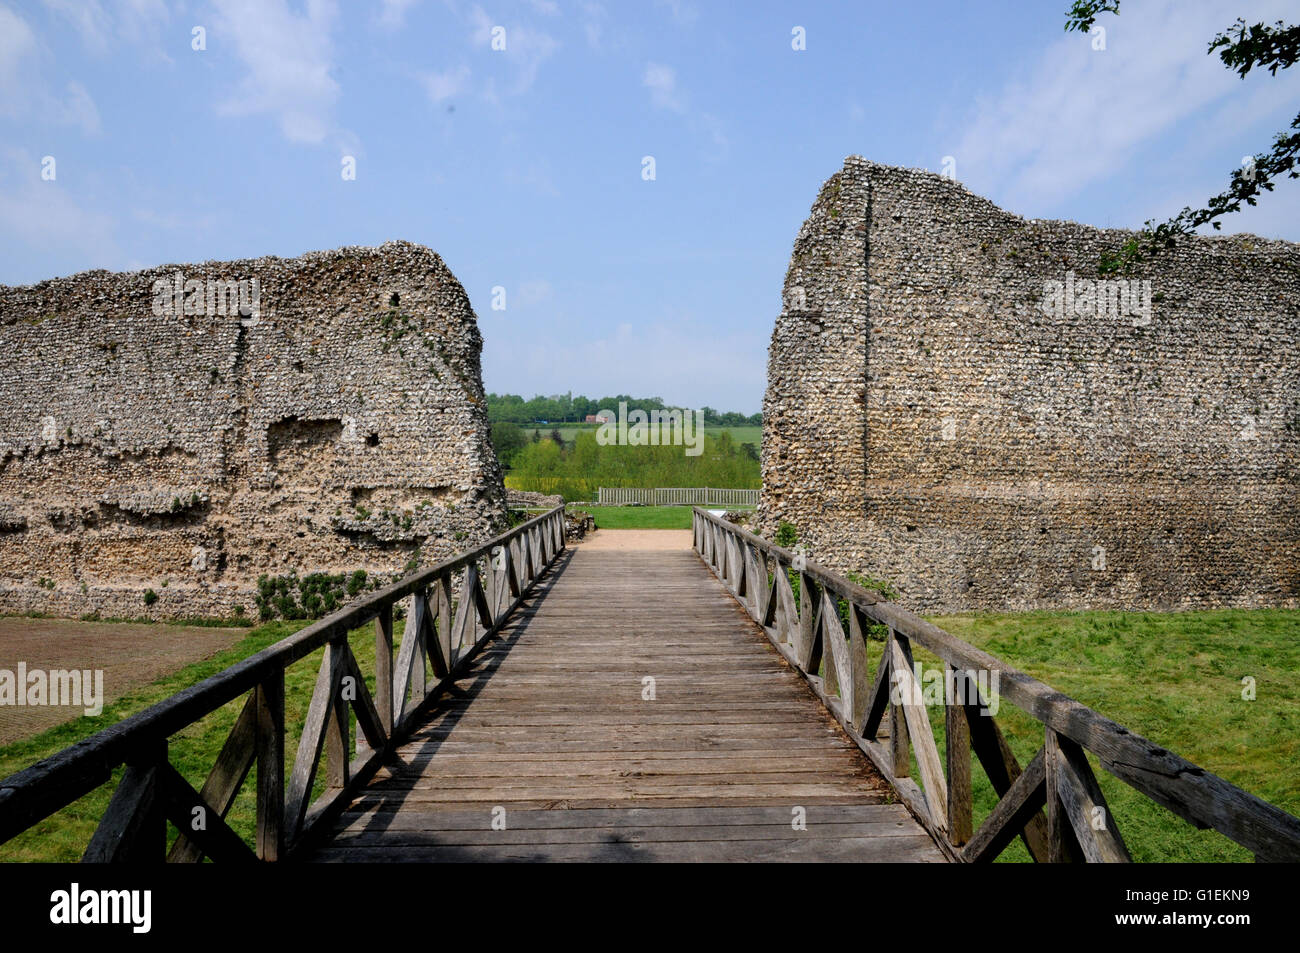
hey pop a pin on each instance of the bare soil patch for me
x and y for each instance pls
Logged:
(624, 540)
(129, 654)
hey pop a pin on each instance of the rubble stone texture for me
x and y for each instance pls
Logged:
(926, 422)
(343, 427)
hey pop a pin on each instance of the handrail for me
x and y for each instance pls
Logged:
(494, 578)
(1078, 823)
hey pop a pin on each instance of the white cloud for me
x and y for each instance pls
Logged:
(288, 58)
(682, 12)
(134, 21)
(23, 90)
(392, 14)
(44, 216)
(533, 292)
(526, 49)
(1078, 115)
(79, 110)
(662, 82)
(444, 85)
(547, 7)
(17, 55)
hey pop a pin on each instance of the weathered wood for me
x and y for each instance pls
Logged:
(319, 712)
(338, 723)
(900, 757)
(1095, 829)
(920, 730)
(1062, 846)
(554, 713)
(839, 671)
(958, 755)
(50, 785)
(1002, 769)
(384, 668)
(268, 699)
(133, 828)
(363, 705)
(226, 777)
(810, 642)
(1193, 793)
(877, 699)
(860, 667)
(184, 807)
(1022, 802)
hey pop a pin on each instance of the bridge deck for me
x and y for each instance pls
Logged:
(552, 726)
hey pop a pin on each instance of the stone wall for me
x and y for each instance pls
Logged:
(934, 417)
(338, 423)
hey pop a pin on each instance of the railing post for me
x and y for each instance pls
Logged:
(384, 668)
(899, 755)
(957, 744)
(269, 699)
(134, 826)
(338, 728)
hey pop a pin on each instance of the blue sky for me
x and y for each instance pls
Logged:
(522, 167)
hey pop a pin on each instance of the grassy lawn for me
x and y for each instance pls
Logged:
(638, 517)
(1176, 679)
(1172, 677)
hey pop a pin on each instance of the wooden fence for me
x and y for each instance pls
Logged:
(1078, 824)
(454, 608)
(679, 496)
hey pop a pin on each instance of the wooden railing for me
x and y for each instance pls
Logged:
(678, 496)
(885, 714)
(454, 608)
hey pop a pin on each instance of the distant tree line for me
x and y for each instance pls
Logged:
(565, 408)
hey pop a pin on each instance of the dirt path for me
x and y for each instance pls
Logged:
(627, 540)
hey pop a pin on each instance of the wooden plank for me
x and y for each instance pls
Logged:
(271, 830)
(183, 806)
(1062, 846)
(1002, 768)
(384, 668)
(1023, 801)
(958, 755)
(900, 756)
(310, 744)
(1095, 829)
(133, 828)
(921, 732)
(226, 777)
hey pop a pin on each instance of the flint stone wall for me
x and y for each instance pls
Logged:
(343, 427)
(927, 422)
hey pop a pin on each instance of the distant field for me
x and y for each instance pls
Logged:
(569, 432)
(638, 517)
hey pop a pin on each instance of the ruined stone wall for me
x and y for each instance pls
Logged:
(339, 425)
(929, 421)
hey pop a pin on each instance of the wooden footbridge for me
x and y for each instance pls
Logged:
(729, 702)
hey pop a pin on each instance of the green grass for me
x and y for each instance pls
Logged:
(638, 517)
(1174, 678)
(64, 835)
